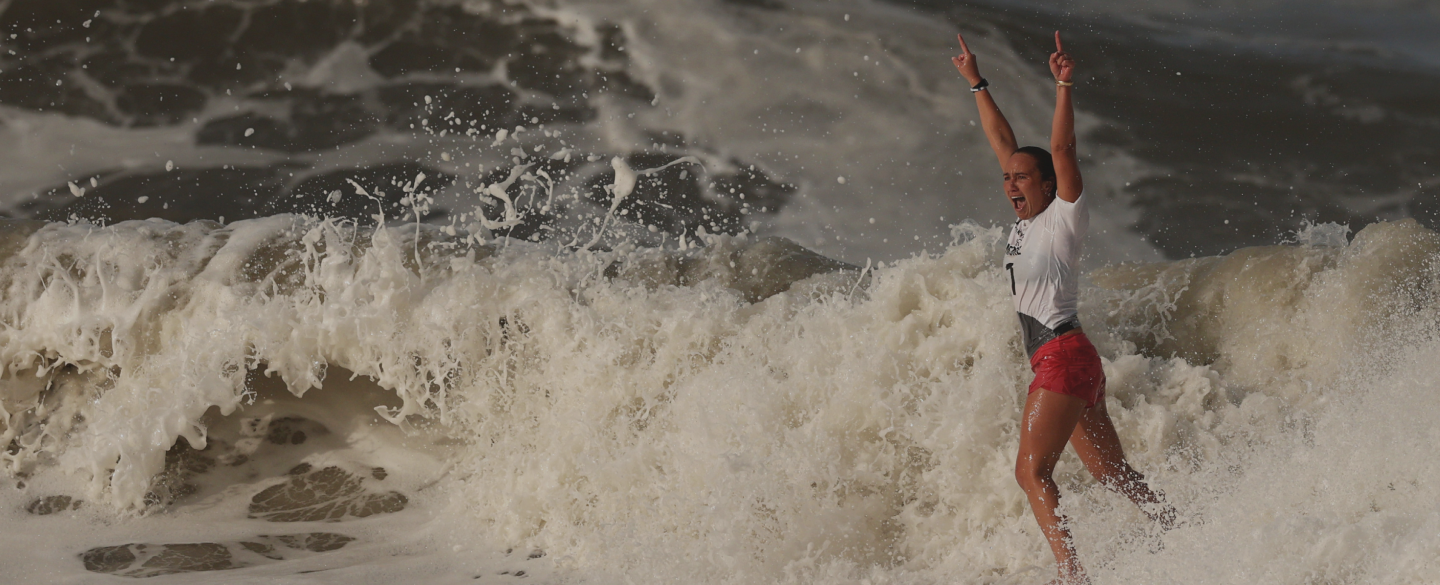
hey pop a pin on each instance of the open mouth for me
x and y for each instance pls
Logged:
(1018, 202)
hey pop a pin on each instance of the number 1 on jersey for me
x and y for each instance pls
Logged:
(1010, 267)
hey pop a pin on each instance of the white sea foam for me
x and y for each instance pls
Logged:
(632, 415)
(740, 412)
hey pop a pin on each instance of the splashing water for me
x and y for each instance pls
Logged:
(741, 412)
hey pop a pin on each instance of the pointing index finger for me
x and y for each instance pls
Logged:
(963, 47)
(1058, 47)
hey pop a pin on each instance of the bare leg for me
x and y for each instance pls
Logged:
(1046, 425)
(1098, 446)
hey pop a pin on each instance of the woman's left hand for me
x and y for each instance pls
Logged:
(1061, 65)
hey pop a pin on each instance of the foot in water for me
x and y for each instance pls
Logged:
(1166, 518)
(1072, 573)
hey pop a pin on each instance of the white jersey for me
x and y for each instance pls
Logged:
(1042, 258)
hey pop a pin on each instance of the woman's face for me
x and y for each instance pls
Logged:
(1027, 193)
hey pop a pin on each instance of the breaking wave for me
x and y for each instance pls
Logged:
(740, 410)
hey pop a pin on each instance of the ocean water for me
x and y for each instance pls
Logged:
(700, 291)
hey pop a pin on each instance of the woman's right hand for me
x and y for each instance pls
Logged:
(1062, 67)
(965, 63)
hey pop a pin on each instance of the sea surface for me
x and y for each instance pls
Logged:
(702, 291)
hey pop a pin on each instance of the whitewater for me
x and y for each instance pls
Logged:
(367, 404)
(724, 304)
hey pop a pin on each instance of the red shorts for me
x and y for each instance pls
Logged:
(1069, 365)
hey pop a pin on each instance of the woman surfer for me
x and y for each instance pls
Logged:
(1066, 402)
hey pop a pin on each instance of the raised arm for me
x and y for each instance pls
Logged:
(997, 128)
(1068, 184)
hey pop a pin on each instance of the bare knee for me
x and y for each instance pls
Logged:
(1032, 474)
